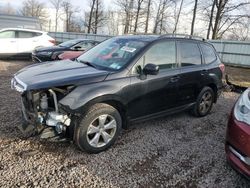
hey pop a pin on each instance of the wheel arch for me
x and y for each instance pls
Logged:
(214, 87)
(112, 100)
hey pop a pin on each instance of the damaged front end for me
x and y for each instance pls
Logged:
(41, 112)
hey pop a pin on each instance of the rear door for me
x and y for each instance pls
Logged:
(154, 93)
(25, 41)
(8, 42)
(192, 70)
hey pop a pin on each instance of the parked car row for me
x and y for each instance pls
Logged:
(89, 97)
(67, 50)
(23, 42)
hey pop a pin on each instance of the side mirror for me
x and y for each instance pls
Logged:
(151, 69)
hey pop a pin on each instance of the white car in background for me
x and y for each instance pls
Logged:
(16, 41)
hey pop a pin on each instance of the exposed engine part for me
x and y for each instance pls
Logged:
(54, 98)
(59, 121)
(44, 102)
(60, 128)
(48, 133)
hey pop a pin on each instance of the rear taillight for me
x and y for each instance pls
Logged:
(222, 68)
(52, 41)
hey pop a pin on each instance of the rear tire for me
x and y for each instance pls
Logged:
(98, 129)
(204, 102)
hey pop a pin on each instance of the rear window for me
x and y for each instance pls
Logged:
(189, 54)
(25, 34)
(208, 53)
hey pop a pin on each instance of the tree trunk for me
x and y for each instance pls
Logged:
(137, 14)
(96, 16)
(148, 14)
(178, 16)
(211, 19)
(157, 18)
(90, 15)
(217, 20)
(56, 20)
(194, 16)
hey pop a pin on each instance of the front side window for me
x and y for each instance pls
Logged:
(25, 34)
(7, 34)
(162, 54)
(208, 53)
(114, 53)
(189, 54)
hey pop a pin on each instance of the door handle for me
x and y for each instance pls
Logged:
(174, 78)
(12, 41)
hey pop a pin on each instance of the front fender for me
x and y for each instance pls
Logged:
(107, 90)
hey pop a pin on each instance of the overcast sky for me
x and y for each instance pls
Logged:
(78, 3)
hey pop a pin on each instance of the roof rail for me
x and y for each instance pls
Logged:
(182, 36)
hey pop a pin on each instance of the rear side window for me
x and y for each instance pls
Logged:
(7, 34)
(189, 54)
(25, 34)
(208, 53)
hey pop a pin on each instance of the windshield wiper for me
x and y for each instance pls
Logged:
(86, 62)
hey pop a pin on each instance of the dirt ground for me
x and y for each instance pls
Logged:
(239, 76)
(174, 151)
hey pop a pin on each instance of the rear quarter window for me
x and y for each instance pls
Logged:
(208, 53)
(25, 34)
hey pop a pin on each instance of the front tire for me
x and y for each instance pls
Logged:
(98, 129)
(204, 102)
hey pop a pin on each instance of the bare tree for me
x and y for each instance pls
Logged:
(57, 4)
(149, 4)
(69, 12)
(137, 14)
(92, 5)
(177, 17)
(161, 15)
(126, 7)
(34, 8)
(194, 16)
(96, 17)
(211, 19)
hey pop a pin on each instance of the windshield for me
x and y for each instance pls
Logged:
(69, 43)
(113, 53)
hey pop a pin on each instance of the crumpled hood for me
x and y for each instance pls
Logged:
(58, 73)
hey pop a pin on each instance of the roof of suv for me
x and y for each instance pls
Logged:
(150, 38)
(21, 29)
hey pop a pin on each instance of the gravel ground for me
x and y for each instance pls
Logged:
(175, 151)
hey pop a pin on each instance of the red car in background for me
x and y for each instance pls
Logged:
(238, 135)
(70, 55)
(107, 54)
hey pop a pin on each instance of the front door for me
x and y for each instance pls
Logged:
(8, 42)
(151, 94)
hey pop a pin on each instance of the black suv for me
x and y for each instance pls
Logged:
(123, 79)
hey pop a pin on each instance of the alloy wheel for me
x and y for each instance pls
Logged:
(206, 102)
(101, 131)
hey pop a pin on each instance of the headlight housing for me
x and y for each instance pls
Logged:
(242, 108)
